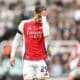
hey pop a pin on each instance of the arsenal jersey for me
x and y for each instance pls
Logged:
(33, 39)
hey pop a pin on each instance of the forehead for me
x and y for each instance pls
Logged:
(43, 8)
(40, 9)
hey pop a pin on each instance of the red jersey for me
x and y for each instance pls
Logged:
(33, 40)
(75, 62)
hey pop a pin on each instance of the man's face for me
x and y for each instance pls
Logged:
(39, 15)
(44, 13)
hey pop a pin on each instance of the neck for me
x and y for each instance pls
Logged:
(38, 20)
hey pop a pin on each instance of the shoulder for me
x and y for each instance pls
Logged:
(25, 21)
(22, 23)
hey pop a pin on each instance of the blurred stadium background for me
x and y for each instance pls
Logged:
(64, 19)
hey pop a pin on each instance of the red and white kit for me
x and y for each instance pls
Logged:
(75, 63)
(33, 34)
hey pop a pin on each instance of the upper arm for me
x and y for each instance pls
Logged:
(20, 27)
(19, 34)
(46, 28)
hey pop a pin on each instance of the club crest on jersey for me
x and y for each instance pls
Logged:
(29, 28)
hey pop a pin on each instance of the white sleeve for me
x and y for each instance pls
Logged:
(20, 27)
(15, 44)
(45, 24)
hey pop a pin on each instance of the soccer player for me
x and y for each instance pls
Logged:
(33, 33)
(75, 64)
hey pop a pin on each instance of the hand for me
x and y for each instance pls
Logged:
(12, 61)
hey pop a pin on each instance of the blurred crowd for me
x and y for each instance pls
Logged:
(64, 19)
